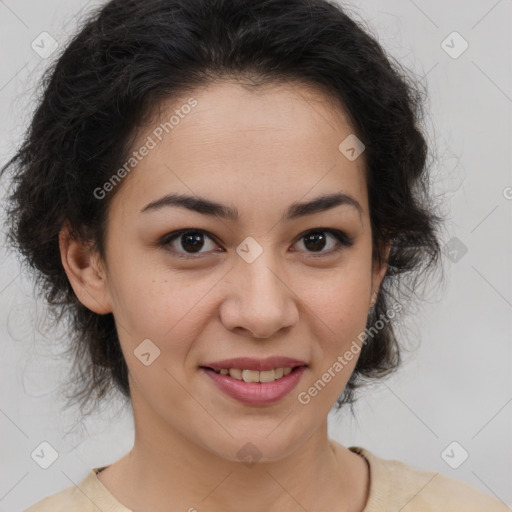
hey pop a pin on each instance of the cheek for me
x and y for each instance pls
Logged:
(337, 306)
(167, 309)
(340, 316)
(339, 295)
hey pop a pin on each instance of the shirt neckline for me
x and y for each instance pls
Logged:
(378, 495)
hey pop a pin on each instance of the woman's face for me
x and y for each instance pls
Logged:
(269, 279)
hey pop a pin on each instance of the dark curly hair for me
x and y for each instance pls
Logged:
(131, 55)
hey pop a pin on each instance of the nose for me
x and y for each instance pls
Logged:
(259, 301)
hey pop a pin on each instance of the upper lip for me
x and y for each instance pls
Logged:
(251, 363)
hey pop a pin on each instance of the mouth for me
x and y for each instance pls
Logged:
(255, 387)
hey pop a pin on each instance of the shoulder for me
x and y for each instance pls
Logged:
(395, 485)
(69, 500)
(88, 496)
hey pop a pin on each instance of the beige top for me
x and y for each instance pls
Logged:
(394, 486)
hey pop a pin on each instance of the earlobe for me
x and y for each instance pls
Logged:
(85, 272)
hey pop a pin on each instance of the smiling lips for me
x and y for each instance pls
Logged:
(256, 381)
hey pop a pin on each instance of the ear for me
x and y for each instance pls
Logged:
(379, 271)
(85, 272)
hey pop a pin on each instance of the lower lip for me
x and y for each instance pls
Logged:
(256, 393)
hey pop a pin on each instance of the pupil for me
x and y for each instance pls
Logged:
(192, 242)
(318, 241)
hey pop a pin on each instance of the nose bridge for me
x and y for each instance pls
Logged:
(263, 282)
(262, 302)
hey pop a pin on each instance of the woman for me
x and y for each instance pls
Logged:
(223, 197)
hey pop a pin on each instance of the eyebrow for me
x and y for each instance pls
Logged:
(294, 211)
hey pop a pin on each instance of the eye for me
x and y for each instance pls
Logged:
(316, 240)
(192, 241)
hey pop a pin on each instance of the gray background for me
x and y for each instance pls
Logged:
(456, 382)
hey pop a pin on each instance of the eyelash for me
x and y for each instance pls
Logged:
(344, 241)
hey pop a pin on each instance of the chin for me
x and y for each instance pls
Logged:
(269, 446)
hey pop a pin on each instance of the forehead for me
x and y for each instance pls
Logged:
(237, 144)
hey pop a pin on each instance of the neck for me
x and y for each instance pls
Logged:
(167, 471)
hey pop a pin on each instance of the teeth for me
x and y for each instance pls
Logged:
(251, 375)
(265, 376)
(235, 373)
(254, 375)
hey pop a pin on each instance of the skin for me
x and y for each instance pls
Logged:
(258, 151)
